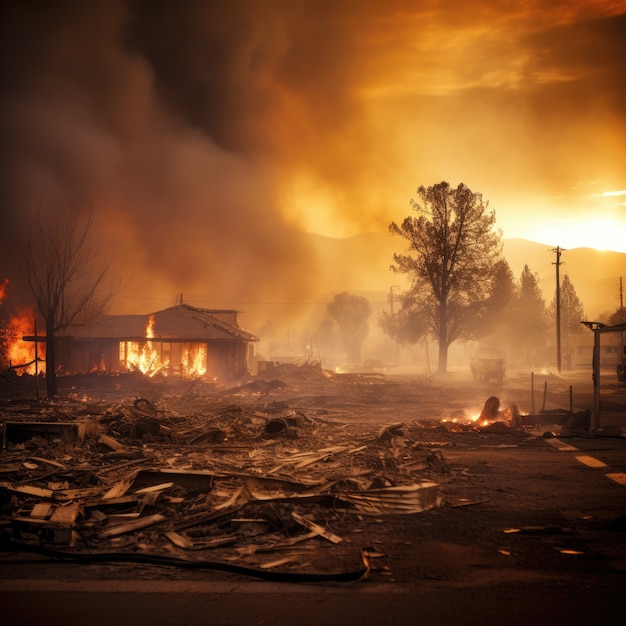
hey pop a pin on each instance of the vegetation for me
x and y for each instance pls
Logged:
(351, 314)
(572, 314)
(458, 278)
(69, 287)
(528, 320)
(618, 317)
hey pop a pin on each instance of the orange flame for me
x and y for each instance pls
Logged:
(141, 356)
(193, 360)
(20, 352)
(150, 358)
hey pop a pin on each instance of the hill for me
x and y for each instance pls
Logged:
(362, 264)
(595, 274)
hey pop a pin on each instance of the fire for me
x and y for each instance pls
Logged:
(21, 352)
(142, 356)
(151, 357)
(475, 418)
(194, 360)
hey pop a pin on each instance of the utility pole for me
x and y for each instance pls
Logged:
(558, 251)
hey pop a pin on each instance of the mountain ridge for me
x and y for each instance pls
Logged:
(362, 263)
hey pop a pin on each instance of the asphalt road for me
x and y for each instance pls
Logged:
(251, 604)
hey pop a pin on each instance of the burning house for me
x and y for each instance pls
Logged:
(182, 340)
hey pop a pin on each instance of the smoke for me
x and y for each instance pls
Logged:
(186, 201)
(209, 137)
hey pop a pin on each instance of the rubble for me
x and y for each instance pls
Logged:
(237, 479)
(197, 480)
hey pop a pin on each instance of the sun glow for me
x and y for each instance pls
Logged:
(316, 208)
(597, 233)
(600, 234)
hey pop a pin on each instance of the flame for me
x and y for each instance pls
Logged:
(475, 419)
(141, 355)
(20, 352)
(150, 357)
(193, 360)
(472, 417)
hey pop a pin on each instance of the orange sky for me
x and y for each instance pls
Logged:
(209, 136)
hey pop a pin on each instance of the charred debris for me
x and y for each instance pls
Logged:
(269, 478)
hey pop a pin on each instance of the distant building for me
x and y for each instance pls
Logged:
(578, 354)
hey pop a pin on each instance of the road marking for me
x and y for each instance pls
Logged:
(618, 477)
(590, 461)
(561, 445)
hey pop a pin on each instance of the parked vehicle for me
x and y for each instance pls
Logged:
(487, 365)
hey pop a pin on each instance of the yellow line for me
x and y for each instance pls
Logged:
(561, 445)
(590, 461)
(618, 477)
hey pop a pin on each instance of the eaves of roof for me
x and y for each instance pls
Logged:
(178, 323)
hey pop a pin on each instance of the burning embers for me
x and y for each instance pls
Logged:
(491, 414)
(158, 357)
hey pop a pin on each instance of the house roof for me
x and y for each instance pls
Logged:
(178, 323)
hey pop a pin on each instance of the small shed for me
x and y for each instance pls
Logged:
(182, 340)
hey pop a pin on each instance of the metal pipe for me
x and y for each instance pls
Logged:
(596, 378)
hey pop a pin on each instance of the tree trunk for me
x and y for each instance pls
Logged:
(443, 357)
(442, 366)
(51, 373)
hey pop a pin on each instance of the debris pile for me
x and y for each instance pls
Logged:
(286, 477)
(219, 479)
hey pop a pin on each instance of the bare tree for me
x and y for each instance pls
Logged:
(68, 284)
(455, 267)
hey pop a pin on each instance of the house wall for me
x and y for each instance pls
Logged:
(580, 351)
(93, 355)
(89, 355)
(229, 359)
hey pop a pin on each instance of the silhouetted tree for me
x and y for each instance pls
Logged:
(618, 317)
(410, 322)
(326, 338)
(455, 267)
(351, 314)
(69, 287)
(529, 319)
(572, 314)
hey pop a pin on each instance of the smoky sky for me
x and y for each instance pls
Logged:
(209, 136)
